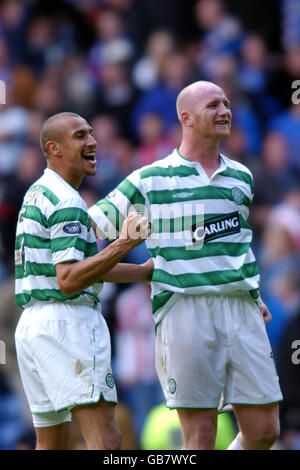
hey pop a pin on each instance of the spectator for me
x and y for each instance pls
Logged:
(13, 422)
(254, 76)
(110, 30)
(288, 124)
(116, 94)
(134, 359)
(161, 98)
(14, 121)
(271, 171)
(148, 69)
(154, 143)
(279, 263)
(221, 33)
(289, 372)
(106, 130)
(29, 166)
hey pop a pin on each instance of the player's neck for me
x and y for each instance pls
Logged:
(207, 153)
(73, 179)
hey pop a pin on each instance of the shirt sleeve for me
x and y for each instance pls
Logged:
(109, 213)
(69, 227)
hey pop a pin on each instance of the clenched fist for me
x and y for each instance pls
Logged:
(135, 228)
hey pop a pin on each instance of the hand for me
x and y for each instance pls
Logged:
(135, 228)
(265, 312)
(148, 267)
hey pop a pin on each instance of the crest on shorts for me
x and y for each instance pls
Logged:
(172, 386)
(237, 195)
(109, 379)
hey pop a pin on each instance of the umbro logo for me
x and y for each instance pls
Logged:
(182, 195)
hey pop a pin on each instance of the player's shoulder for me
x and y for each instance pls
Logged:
(235, 165)
(54, 191)
(151, 169)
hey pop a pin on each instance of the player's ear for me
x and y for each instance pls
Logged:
(53, 148)
(186, 118)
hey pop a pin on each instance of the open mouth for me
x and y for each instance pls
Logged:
(222, 123)
(89, 156)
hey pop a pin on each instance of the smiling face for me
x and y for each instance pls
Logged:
(206, 110)
(72, 154)
(78, 146)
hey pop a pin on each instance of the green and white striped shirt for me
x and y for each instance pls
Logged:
(200, 238)
(53, 227)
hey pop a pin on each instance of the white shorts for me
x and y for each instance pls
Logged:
(206, 345)
(64, 356)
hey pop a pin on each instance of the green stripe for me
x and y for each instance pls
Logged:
(206, 279)
(238, 174)
(69, 214)
(168, 172)
(206, 192)
(34, 213)
(32, 241)
(35, 269)
(160, 299)
(179, 224)
(57, 244)
(112, 213)
(47, 193)
(131, 192)
(208, 249)
(64, 243)
(48, 294)
(254, 293)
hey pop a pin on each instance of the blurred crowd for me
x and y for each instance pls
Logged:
(120, 64)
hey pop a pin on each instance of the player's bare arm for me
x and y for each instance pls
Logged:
(75, 276)
(127, 272)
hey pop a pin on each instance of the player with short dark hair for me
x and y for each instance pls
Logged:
(62, 340)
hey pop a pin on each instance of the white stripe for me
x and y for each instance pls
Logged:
(182, 239)
(244, 285)
(38, 255)
(212, 206)
(32, 227)
(35, 282)
(201, 265)
(67, 255)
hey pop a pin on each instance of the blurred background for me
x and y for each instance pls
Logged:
(120, 64)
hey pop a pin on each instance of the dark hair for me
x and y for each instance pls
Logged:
(51, 130)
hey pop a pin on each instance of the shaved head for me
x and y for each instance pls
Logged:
(191, 94)
(53, 129)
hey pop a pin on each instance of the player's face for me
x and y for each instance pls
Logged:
(78, 147)
(211, 114)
